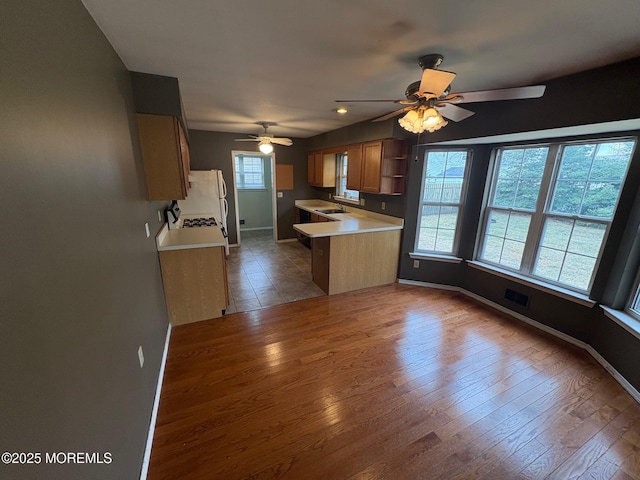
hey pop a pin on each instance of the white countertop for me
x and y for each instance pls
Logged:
(354, 220)
(179, 239)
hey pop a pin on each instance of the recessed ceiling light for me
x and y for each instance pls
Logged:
(342, 110)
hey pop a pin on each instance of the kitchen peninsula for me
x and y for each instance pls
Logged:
(352, 249)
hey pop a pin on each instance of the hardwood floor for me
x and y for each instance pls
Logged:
(393, 382)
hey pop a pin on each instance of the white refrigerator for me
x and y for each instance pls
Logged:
(207, 196)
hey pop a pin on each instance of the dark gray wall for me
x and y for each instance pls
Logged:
(80, 288)
(213, 150)
(158, 95)
(569, 101)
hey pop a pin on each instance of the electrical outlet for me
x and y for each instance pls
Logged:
(416, 264)
(146, 228)
(280, 195)
(329, 195)
(362, 202)
(140, 356)
(383, 205)
(160, 216)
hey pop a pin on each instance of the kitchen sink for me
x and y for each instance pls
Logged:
(331, 210)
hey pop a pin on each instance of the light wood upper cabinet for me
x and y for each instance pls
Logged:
(165, 153)
(321, 169)
(393, 167)
(372, 167)
(371, 161)
(384, 166)
(354, 167)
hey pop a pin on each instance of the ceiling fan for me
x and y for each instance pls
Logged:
(266, 140)
(429, 100)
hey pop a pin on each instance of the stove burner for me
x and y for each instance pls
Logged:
(199, 222)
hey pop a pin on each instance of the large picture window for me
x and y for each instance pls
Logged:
(550, 207)
(443, 187)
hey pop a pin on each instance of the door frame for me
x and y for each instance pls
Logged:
(274, 194)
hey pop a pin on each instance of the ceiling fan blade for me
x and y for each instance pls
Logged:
(282, 141)
(247, 139)
(392, 114)
(354, 101)
(453, 112)
(518, 93)
(435, 81)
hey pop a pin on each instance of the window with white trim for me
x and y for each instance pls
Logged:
(550, 207)
(250, 171)
(443, 187)
(342, 161)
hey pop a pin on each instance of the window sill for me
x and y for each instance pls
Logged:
(537, 284)
(244, 189)
(435, 257)
(623, 319)
(347, 200)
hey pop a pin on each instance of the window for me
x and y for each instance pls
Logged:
(634, 306)
(443, 187)
(250, 171)
(341, 179)
(550, 208)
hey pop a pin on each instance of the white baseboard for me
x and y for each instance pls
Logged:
(154, 412)
(552, 331)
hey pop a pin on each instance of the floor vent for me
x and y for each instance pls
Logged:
(516, 297)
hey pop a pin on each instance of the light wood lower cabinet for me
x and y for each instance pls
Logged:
(342, 263)
(195, 283)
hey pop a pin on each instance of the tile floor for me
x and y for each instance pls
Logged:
(262, 272)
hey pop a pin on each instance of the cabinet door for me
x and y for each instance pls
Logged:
(354, 167)
(165, 157)
(371, 163)
(318, 168)
(195, 283)
(311, 168)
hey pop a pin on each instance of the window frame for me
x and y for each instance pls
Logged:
(542, 212)
(460, 204)
(240, 171)
(340, 168)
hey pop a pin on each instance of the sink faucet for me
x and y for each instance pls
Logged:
(340, 206)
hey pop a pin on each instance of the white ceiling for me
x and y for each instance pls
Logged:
(239, 62)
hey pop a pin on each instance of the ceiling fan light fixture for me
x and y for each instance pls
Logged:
(265, 147)
(421, 119)
(412, 121)
(433, 120)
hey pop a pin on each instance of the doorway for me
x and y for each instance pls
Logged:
(254, 192)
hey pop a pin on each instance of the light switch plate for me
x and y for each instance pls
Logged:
(140, 356)
(383, 205)
(146, 228)
(280, 195)
(416, 264)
